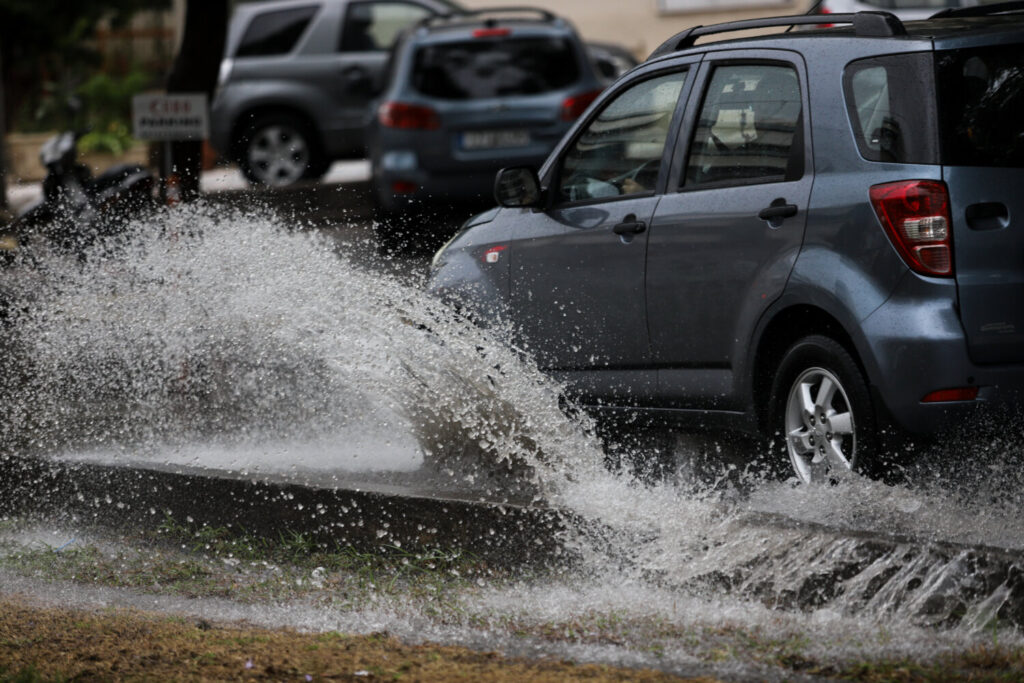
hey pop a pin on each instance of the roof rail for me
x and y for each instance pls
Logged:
(469, 14)
(868, 24)
(980, 10)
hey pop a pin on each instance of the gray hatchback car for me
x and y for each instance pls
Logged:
(471, 93)
(816, 236)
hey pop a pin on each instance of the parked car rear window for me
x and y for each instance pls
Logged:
(884, 97)
(981, 105)
(275, 33)
(493, 68)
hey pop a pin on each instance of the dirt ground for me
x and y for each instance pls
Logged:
(43, 644)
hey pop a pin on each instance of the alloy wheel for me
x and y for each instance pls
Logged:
(819, 427)
(278, 155)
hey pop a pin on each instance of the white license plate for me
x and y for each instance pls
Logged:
(494, 139)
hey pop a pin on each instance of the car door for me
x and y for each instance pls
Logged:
(577, 268)
(724, 239)
(347, 62)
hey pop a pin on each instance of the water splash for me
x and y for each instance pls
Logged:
(207, 335)
(205, 325)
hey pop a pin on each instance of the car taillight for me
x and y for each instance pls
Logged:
(491, 32)
(576, 105)
(825, 10)
(915, 215)
(408, 116)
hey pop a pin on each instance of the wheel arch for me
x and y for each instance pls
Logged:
(783, 330)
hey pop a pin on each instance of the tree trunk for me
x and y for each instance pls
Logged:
(3, 145)
(195, 70)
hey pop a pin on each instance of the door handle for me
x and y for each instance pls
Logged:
(630, 226)
(988, 216)
(777, 211)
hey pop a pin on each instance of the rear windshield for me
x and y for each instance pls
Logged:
(887, 99)
(981, 95)
(495, 68)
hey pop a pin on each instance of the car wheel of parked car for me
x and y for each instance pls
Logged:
(279, 150)
(821, 409)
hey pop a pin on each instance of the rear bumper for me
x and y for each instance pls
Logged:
(916, 347)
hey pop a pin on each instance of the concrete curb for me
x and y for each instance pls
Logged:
(119, 497)
(782, 563)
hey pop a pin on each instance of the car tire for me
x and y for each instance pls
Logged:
(279, 150)
(821, 413)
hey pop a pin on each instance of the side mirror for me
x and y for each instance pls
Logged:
(517, 187)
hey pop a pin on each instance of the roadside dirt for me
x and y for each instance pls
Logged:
(68, 644)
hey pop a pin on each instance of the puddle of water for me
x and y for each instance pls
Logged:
(237, 341)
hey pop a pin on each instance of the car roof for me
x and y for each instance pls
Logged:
(946, 31)
(466, 24)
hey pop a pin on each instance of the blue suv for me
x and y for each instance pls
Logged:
(469, 93)
(814, 235)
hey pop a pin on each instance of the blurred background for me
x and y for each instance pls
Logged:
(103, 52)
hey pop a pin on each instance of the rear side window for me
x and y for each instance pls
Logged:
(750, 128)
(275, 33)
(981, 95)
(890, 101)
(374, 26)
(495, 68)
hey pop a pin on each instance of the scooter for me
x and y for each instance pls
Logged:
(76, 208)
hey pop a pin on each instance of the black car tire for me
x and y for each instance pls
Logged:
(279, 150)
(816, 448)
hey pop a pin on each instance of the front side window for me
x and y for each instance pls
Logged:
(620, 151)
(750, 128)
(494, 67)
(374, 26)
(275, 33)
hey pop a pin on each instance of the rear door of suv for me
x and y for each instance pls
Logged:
(981, 110)
(724, 238)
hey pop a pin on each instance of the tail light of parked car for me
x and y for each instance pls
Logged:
(492, 32)
(825, 10)
(408, 116)
(915, 215)
(574, 106)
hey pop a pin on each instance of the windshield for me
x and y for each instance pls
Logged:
(485, 68)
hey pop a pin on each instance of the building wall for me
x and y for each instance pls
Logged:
(642, 25)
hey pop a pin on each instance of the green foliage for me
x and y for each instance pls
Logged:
(45, 52)
(106, 109)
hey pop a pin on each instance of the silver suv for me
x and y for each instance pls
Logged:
(297, 80)
(817, 236)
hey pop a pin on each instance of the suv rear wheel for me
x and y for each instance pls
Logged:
(821, 407)
(279, 150)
